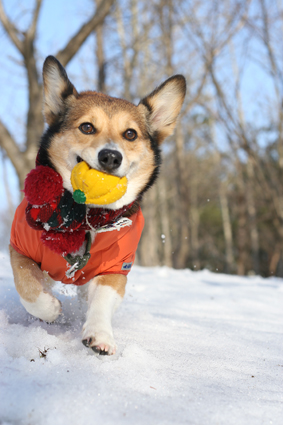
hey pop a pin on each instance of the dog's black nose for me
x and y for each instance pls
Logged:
(109, 159)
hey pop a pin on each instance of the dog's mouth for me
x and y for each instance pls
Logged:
(79, 159)
(108, 161)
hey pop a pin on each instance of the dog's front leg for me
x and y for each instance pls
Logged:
(32, 287)
(105, 294)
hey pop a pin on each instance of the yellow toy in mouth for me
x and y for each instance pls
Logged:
(94, 187)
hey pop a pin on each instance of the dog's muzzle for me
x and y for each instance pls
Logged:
(110, 159)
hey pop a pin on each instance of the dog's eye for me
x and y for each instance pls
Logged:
(87, 128)
(130, 134)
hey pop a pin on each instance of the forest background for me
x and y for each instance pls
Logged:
(218, 203)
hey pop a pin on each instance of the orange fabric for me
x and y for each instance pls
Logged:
(108, 252)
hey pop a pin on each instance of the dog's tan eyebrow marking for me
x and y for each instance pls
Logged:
(133, 125)
(86, 118)
(126, 120)
(95, 116)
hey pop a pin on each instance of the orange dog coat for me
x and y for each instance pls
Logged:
(111, 252)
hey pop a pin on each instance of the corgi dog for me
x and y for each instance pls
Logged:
(112, 136)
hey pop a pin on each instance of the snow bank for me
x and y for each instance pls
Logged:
(193, 348)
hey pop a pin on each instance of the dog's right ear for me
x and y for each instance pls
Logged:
(57, 88)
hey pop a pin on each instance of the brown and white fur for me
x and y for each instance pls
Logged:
(115, 125)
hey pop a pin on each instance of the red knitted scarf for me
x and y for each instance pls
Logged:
(52, 209)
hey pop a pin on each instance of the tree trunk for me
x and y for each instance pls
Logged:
(148, 247)
(101, 74)
(166, 235)
(227, 230)
(194, 222)
(241, 234)
(182, 253)
(252, 217)
(274, 260)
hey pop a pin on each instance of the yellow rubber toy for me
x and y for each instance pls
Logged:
(94, 187)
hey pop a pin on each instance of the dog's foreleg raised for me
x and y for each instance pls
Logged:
(105, 294)
(32, 287)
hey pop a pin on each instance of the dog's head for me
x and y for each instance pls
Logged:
(109, 134)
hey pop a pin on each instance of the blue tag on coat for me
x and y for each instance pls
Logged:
(126, 266)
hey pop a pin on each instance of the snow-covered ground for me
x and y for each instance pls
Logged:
(193, 348)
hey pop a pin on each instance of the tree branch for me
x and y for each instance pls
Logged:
(32, 29)
(11, 30)
(69, 51)
(9, 145)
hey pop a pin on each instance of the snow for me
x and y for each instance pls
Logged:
(193, 348)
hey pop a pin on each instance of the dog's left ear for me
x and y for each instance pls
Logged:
(57, 89)
(163, 106)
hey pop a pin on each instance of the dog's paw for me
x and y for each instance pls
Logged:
(46, 307)
(100, 342)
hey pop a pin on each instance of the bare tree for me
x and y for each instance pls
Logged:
(23, 160)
